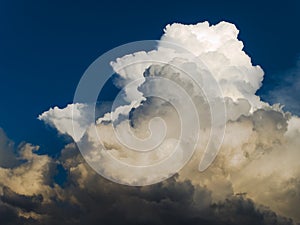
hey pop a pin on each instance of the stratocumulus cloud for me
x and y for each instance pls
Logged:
(255, 178)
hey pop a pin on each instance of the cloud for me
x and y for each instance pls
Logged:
(63, 120)
(31, 177)
(218, 53)
(253, 180)
(87, 198)
(25, 185)
(7, 151)
(27, 203)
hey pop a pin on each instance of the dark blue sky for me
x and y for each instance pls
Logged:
(45, 46)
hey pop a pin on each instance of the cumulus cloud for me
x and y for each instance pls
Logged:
(25, 186)
(74, 115)
(235, 79)
(254, 179)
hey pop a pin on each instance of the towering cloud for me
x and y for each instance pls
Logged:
(255, 178)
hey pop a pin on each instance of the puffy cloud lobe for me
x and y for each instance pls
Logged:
(74, 115)
(258, 157)
(25, 186)
(31, 177)
(215, 46)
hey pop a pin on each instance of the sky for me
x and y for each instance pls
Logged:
(45, 48)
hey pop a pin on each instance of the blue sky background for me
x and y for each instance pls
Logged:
(45, 46)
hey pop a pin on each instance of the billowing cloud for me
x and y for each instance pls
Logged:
(218, 70)
(255, 178)
(73, 117)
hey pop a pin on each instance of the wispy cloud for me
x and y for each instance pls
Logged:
(288, 91)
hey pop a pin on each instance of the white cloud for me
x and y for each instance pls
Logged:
(260, 150)
(72, 120)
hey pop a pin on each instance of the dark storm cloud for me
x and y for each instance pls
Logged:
(26, 203)
(9, 216)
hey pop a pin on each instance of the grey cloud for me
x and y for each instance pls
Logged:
(7, 151)
(27, 203)
(87, 198)
(169, 202)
